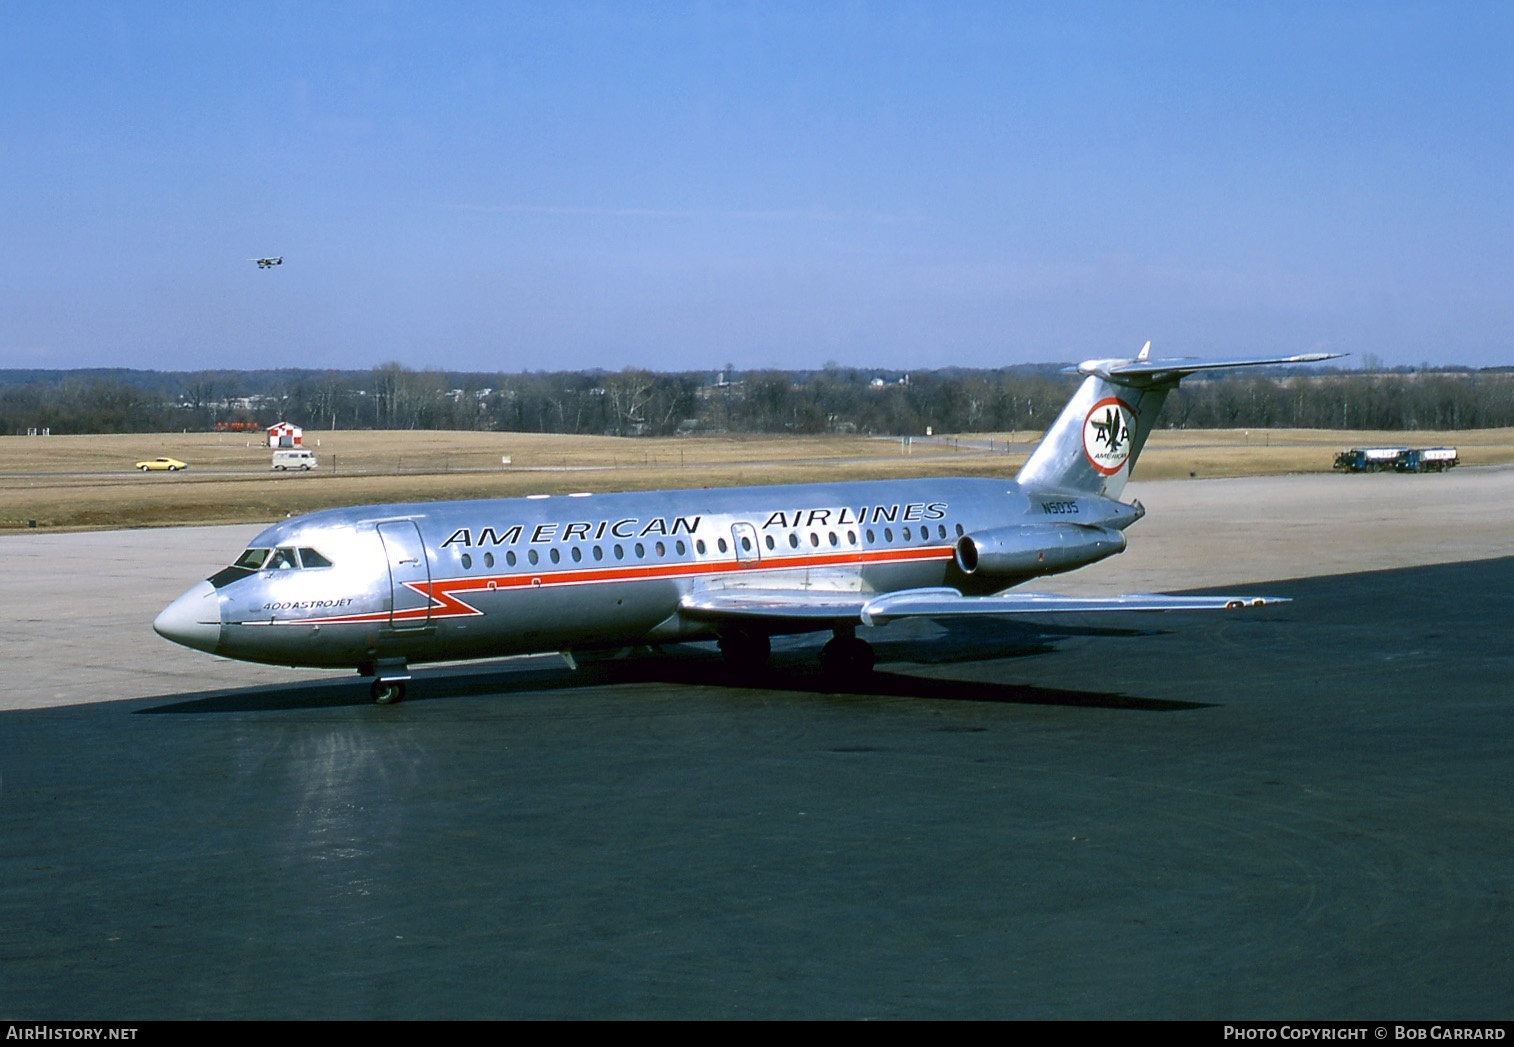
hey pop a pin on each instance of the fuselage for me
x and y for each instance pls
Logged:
(412, 583)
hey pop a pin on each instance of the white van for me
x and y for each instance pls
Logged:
(295, 459)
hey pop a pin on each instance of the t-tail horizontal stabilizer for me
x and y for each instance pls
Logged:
(1095, 441)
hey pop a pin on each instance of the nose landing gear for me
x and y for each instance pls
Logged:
(388, 692)
(389, 679)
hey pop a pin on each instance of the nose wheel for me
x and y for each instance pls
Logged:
(389, 678)
(388, 692)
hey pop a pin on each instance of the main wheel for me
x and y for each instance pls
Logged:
(846, 656)
(388, 692)
(745, 651)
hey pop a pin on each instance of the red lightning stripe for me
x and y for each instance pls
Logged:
(446, 595)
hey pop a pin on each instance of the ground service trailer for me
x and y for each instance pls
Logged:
(1427, 460)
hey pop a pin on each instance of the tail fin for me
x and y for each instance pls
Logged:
(1094, 443)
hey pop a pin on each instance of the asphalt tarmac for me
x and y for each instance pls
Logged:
(1302, 811)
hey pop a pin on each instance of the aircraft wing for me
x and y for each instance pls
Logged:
(816, 607)
(948, 603)
(776, 605)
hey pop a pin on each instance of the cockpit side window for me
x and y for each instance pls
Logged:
(252, 559)
(283, 560)
(311, 558)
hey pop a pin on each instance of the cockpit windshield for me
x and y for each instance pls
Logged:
(252, 559)
(284, 558)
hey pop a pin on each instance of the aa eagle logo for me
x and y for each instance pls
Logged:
(1106, 435)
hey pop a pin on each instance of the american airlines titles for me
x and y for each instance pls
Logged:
(634, 527)
(630, 527)
(865, 515)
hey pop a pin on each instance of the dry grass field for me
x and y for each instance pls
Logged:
(88, 482)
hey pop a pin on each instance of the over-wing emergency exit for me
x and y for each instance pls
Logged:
(381, 588)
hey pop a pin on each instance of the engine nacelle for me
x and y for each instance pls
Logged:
(1027, 551)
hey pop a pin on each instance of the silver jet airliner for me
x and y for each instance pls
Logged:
(381, 588)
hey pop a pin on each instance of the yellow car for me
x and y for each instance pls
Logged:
(172, 465)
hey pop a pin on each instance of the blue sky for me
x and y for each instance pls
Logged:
(536, 186)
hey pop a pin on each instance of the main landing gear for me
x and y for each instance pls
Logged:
(745, 651)
(844, 656)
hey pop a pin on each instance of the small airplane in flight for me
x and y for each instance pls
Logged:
(380, 588)
(267, 263)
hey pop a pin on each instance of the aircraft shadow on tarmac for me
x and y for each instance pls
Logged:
(793, 669)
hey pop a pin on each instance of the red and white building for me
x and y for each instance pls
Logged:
(285, 435)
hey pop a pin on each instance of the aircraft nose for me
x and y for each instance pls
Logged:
(193, 620)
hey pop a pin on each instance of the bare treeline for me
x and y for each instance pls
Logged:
(636, 402)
